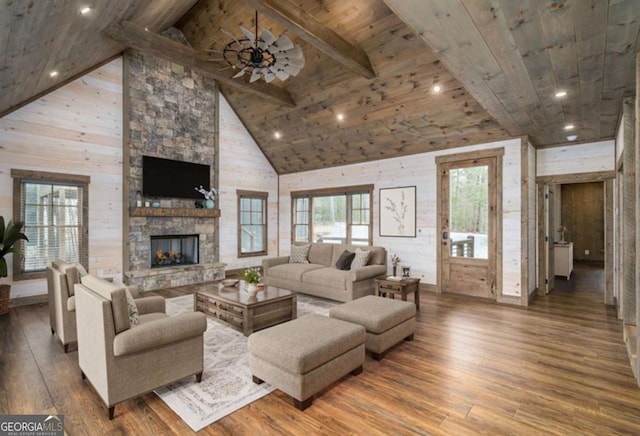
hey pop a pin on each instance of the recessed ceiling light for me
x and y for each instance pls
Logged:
(53, 74)
(569, 127)
(560, 94)
(146, 29)
(277, 135)
(85, 10)
(436, 89)
(572, 137)
(340, 117)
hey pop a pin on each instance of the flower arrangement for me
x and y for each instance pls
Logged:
(395, 260)
(208, 195)
(251, 276)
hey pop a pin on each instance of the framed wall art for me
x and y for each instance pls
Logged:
(398, 212)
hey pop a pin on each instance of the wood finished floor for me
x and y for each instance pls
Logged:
(558, 367)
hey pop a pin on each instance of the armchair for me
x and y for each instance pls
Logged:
(61, 278)
(122, 360)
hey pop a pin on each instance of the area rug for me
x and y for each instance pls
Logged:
(226, 383)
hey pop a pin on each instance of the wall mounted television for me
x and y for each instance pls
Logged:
(173, 178)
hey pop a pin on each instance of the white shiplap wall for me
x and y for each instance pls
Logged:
(242, 166)
(574, 159)
(418, 170)
(76, 129)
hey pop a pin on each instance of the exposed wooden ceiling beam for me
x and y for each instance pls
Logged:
(136, 37)
(317, 34)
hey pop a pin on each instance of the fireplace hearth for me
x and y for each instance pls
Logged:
(173, 250)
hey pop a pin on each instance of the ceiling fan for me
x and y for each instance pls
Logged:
(265, 56)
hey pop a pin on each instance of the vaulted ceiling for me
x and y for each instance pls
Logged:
(499, 63)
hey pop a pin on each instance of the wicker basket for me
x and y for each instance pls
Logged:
(4, 299)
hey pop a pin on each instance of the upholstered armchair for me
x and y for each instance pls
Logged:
(61, 278)
(122, 359)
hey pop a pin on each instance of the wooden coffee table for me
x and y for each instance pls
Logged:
(385, 287)
(233, 306)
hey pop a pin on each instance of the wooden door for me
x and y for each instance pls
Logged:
(468, 226)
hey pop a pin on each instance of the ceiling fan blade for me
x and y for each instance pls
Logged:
(269, 76)
(240, 73)
(267, 39)
(255, 75)
(281, 74)
(282, 44)
(249, 35)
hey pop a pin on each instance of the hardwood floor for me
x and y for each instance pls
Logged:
(558, 367)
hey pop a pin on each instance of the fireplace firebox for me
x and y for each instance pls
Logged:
(172, 250)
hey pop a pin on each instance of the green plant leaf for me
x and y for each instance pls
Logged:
(3, 267)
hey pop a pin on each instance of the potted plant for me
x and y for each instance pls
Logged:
(251, 277)
(9, 236)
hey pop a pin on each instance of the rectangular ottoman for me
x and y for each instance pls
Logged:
(303, 356)
(387, 321)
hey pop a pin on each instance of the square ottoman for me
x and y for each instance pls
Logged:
(387, 321)
(303, 356)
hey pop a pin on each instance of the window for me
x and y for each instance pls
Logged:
(54, 209)
(336, 215)
(252, 223)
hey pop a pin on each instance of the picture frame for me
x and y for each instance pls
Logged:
(398, 212)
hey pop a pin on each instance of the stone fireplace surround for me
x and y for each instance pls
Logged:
(171, 114)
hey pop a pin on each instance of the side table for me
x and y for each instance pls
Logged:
(386, 287)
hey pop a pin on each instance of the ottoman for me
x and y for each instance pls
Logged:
(387, 321)
(303, 356)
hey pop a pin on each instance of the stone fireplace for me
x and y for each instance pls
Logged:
(171, 114)
(174, 250)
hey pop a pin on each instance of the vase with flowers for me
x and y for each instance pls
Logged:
(251, 277)
(209, 196)
(395, 260)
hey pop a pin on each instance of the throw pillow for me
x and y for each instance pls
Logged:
(299, 254)
(133, 308)
(344, 261)
(360, 259)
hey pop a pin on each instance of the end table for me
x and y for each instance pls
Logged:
(386, 287)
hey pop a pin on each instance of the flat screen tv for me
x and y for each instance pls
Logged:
(173, 178)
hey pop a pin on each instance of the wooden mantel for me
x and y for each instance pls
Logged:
(175, 212)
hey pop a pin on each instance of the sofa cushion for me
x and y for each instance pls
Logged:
(361, 258)
(299, 254)
(321, 254)
(376, 314)
(292, 271)
(344, 261)
(327, 276)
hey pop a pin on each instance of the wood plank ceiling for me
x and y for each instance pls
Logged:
(499, 63)
(393, 114)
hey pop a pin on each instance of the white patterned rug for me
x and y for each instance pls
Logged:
(226, 383)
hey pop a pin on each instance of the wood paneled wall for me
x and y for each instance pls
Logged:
(531, 218)
(583, 215)
(76, 129)
(418, 170)
(242, 166)
(573, 159)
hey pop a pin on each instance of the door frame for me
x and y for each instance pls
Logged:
(495, 263)
(602, 176)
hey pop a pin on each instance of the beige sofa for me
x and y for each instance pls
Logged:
(321, 278)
